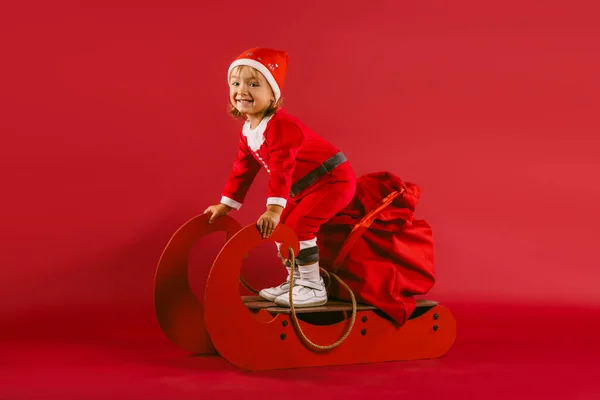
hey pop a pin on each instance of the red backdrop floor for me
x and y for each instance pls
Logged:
(502, 351)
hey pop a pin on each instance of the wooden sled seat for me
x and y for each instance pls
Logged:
(255, 303)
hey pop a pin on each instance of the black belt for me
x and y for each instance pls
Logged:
(316, 173)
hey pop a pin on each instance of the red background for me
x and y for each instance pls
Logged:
(115, 132)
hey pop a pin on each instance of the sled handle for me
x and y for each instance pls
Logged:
(362, 226)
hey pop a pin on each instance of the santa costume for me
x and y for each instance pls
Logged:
(308, 176)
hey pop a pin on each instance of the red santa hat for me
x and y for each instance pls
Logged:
(271, 63)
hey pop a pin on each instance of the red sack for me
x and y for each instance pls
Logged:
(377, 247)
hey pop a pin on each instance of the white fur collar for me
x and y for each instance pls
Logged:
(256, 136)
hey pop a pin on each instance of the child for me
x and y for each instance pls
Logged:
(310, 179)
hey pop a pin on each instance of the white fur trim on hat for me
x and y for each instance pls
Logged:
(262, 69)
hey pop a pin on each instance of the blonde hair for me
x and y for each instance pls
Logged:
(273, 107)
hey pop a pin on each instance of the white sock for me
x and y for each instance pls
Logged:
(310, 272)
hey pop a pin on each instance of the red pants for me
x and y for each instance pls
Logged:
(318, 203)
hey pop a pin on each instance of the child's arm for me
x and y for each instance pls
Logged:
(285, 141)
(240, 179)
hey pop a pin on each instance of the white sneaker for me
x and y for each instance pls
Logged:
(304, 294)
(273, 292)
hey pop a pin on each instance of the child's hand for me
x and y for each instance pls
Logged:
(217, 211)
(267, 222)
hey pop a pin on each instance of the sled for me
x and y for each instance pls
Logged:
(255, 334)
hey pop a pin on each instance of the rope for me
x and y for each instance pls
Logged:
(295, 319)
(293, 310)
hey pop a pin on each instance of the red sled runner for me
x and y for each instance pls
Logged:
(378, 257)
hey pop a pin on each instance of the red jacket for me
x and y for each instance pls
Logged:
(285, 147)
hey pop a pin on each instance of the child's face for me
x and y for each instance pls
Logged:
(249, 91)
